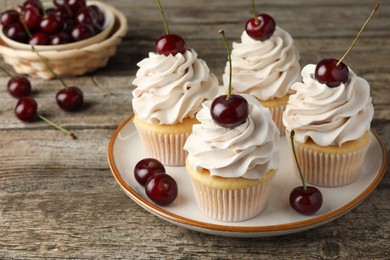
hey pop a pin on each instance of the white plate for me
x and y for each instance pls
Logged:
(278, 218)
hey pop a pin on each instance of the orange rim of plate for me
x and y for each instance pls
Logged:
(242, 229)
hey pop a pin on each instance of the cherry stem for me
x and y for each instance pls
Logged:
(48, 67)
(67, 132)
(296, 160)
(25, 27)
(254, 12)
(6, 72)
(163, 16)
(376, 7)
(222, 32)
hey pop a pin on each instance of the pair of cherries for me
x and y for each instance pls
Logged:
(159, 186)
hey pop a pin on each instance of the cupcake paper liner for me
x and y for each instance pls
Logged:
(329, 169)
(231, 205)
(167, 148)
(277, 115)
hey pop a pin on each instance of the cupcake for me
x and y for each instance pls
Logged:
(331, 124)
(265, 69)
(169, 92)
(231, 169)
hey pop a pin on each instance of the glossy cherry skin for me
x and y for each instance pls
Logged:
(51, 24)
(170, 44)
(97, 14)
(26, 109)
(60, 38)
(161, 188)
(84, 16)
(19, 87)
(63, 12)
(70, 99)
(327, 72)
(9, 17)
(16, 32)
(306, 202)
(229, 113)
(146, 168)
(82, 31)
(31, 17)
(263, 30)
(40, 38)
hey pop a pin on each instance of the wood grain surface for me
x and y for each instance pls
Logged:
(59, 200)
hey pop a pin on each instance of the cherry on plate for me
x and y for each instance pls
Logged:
(146, 168)
(306, 202)
(161, 189)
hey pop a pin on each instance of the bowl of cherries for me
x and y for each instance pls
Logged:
(74, 36)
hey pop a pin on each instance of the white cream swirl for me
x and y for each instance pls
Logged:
(264, 69)
(249, 150)
(172, 88)
(329, 116)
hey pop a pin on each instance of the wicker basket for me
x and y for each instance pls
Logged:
(67, 63)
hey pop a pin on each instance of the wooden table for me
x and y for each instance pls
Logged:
(58, 198)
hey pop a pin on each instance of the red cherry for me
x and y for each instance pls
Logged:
(95, 12)
(16, 32)
(146, 168)
(70, 98)
(161, 188)
(19, 87)
(261, 30)
(40, 38)
(63, 12)
(82, 31)
(170, 44)
(306, 202)
(229, 113)
(9, 17)
(60, 38)
(26, 109)
(50, 24)
(31, 17)
(328, 72)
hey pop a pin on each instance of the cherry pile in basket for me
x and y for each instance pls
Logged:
(65, 22)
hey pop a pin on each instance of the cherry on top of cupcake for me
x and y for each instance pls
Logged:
(229, 110)
(261, 27)
(169, 43)
(333, 72)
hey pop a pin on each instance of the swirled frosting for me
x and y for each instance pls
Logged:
(249, 150)
(264, 69)
(172, 88)
(329, 116)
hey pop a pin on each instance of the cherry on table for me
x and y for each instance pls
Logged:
(230, 112)
(19, 87)
(26, 109)
(170, 44)
(329, 72)
(261, 28)
(306, 201)
(70, 98)
(9, 17)
(146, 168)
(161, 188)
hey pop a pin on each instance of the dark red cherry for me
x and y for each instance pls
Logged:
(85, 16)
(261, 30)
(161, 188)
(76, 5)
(170, 44)
(40, 38)
(26, 109)
(31, 17)
(82, 31)
(19, 87)
(327, 72)
(69, 25)
(60, 38)
(97, 14)
(9, 17)
(306, 202)
(146, 168)
(63, 12)
(16, 32)
(229, 113)
(51, 24)
(70, 99)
